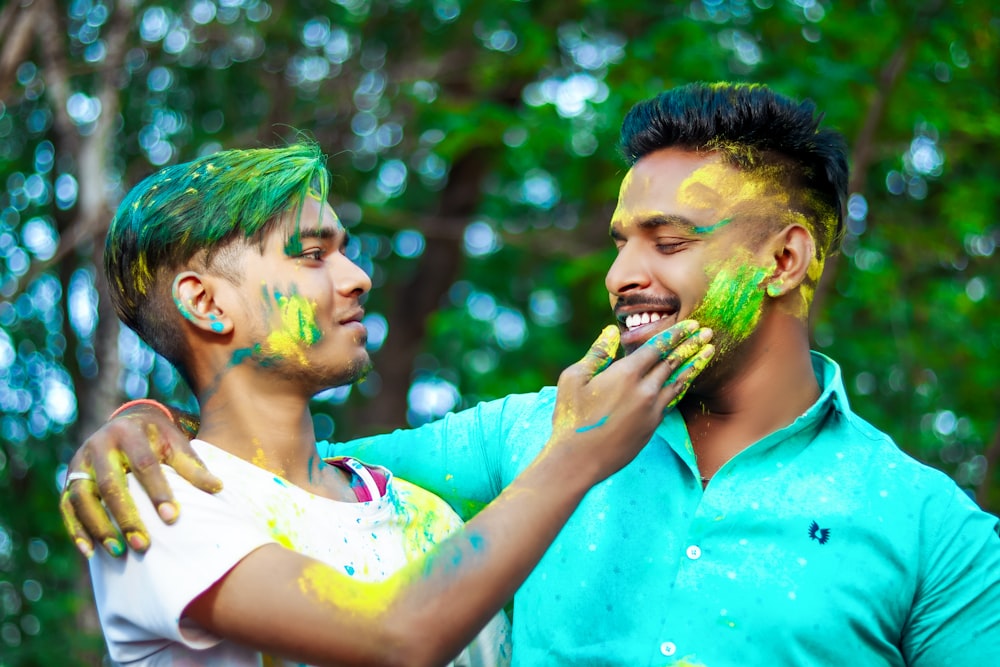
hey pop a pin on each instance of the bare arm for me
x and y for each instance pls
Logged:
(275, 599)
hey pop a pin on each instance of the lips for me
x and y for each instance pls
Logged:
(353, 316)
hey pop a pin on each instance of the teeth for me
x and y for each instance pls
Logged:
(638, 319)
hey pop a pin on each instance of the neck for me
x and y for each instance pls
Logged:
(763, 387)
(260, 419)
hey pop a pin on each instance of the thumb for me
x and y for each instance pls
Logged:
(602, 352)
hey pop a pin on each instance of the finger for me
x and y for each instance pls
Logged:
(73, 526)
(87, 507)
(182, 458)
(109, 472)
(682, 378)
(689, 347)
(665, 341)
(175, 450)
(647, 358)
(602, 352)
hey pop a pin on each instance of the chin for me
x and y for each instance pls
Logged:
(360, 369)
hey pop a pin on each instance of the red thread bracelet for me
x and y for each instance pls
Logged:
(142, 401)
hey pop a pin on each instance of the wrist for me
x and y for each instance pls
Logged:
(143, 402)
(560, 470)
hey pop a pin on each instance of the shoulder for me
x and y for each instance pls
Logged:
(940, 505)
(514, 409)
(434, 517)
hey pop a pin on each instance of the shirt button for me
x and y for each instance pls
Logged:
(694, 552)
(668, 648)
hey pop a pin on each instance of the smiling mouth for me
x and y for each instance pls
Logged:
(636, 320)
(639, 326)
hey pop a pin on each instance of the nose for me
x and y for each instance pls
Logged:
(349, 278)
(627, 273)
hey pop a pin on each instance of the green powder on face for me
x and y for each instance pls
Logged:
(732, 306)
(298, 329)
(711, 228)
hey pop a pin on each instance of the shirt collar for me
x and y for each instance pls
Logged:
(832, 396)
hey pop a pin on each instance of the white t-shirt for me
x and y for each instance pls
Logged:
(140, 597)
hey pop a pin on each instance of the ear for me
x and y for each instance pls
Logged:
(794, 254)
(194, 297)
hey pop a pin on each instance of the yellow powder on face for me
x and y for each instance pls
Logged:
(718, 186)
(297, 331)
(733, 194)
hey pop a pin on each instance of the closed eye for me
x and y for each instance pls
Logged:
(670, 247)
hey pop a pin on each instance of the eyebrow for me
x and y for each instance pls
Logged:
(294, 242)
(321, 233)
(655, 222)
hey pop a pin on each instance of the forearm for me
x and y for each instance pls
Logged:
(461, 457)
(301, 609)
(451, 595)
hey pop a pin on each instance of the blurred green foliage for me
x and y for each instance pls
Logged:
(474, 150)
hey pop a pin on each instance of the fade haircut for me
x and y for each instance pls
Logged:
(192, 215)
(759, 132)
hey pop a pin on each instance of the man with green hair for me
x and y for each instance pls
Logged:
(232, 266)
(765, 523)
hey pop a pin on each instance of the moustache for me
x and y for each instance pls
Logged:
(670, 302)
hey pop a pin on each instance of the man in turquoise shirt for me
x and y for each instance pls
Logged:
(820, 544)
(765, 523)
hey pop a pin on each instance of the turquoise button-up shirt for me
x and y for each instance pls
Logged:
(822, 544)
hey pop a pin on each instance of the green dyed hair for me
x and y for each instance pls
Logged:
(184, 215)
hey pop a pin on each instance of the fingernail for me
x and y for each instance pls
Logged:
(137, 541)
(114, 547)
(167, 512)
(705, 334)
(84, 547)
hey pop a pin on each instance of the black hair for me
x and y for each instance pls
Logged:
(754, 128)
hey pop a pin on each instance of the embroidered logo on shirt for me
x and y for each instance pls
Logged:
(821, 535)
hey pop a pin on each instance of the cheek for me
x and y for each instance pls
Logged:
(733, 302)
(298, 320)
(293, 328)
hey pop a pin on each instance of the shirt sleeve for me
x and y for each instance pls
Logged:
(140, 597)
(955, 617)
(460, 457)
